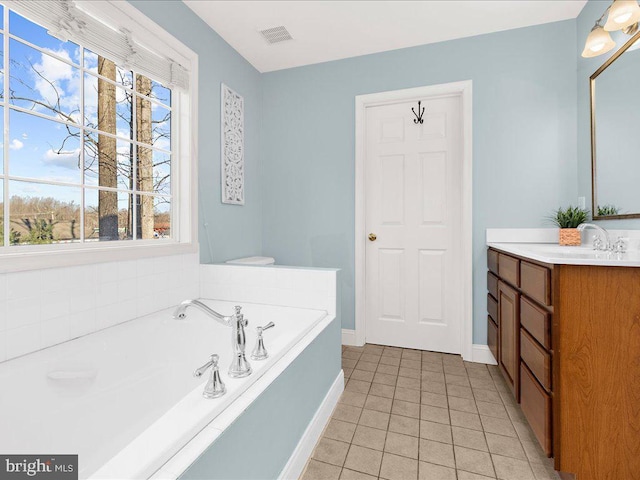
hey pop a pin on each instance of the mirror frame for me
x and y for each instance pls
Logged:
(592, 105)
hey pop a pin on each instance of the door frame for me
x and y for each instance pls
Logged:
(362, 102)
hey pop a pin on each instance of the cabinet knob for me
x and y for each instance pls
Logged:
(372, 237)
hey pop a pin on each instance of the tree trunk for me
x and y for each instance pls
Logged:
(145, 158)
(107, 153)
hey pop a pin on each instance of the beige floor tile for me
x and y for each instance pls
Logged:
(544, 472)
(498, 425)
(452, 359)
(407, 409)
(475, 373)
(320, 471)
(349, 363)
(465, 437)
(462, 475)
(458, 391)
(414, 364)
(347, 373)
(358, 386)
(429, 471)
(371, 418)
(432, 377)
(466, 420)
(353, 398)
(395, 467)
(407, 382)
(409, 372)
(399, 444)
(482, 383)
(372, 348)
(438, 432)
(533, 452)
(385, 379)
(353, 348)
(512, 468)
(474, 461)
(339, 430)
(380, 390)
(434, 399)
(459, 380)
(487, 396)
(436, 452)
(524, 431)
(407, 395)
(412, 354)
(392, 353)
(432, 367)
(369, 437)
(331, 451)
(463, 404)
(347, 413)
(393, 361)
(367, 357)
(432, 356)
(433, 387)
(454, 370)
(353, 475)
(351, 354)
(380, 404)
(367, 366)
(505, 446)
(363, 460)
(515, 414)
(434, 414)
(362, 375)
(492, 410)
(405, 425)
(388, 369)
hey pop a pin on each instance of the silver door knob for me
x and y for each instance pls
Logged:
(372, 237)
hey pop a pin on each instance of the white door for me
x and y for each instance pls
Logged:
(413, 193)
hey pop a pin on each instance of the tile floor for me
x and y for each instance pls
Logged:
(409, 414)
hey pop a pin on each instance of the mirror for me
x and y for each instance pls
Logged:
(615, 135)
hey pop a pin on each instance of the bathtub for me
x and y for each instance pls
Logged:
(124, 399)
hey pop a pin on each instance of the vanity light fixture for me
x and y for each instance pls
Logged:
(622, 15)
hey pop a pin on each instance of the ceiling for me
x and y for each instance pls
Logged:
(331, 30)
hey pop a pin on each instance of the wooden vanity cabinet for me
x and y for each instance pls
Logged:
(567, 340)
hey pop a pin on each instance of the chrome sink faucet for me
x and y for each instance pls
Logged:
(598, 241)
(240, 367)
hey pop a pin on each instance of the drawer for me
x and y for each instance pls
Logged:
(492, 337)
(492, 261)
(509, 269)
(536, 406)
(537, 321)
(535, 281)
(492, 284)
(536, 358)
(492, 308)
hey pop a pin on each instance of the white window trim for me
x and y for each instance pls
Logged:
(184, 198)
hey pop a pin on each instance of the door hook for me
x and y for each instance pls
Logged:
(418, 118)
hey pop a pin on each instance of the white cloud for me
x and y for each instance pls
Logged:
(68, 159)
(57, 81)
(16, 144)
(24, 136)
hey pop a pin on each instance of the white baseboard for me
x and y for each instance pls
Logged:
(482, 354)
(349, 337)
(297, 461)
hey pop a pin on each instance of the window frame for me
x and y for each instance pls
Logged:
(184, 151)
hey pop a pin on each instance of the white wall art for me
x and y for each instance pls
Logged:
(232, 139)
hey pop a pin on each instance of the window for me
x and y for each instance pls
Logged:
(91, 151)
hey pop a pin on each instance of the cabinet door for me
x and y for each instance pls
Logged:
(509, 337)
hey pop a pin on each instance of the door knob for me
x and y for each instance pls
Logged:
(372, 237)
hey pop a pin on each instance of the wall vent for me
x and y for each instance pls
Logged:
(276, 34)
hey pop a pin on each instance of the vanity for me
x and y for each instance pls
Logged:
(564, 326)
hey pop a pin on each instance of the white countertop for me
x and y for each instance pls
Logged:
(555, 254)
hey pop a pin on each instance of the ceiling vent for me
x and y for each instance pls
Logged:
(276, 35)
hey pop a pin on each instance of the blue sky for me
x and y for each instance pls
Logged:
(48, 150)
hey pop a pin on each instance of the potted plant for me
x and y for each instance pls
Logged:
(568, 219)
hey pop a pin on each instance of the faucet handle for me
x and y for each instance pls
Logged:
(597, 242)
(620, 246)
(215, 386)
(238, 309)
(260, 353)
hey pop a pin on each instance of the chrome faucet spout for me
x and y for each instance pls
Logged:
(599, 229)
(181, 313)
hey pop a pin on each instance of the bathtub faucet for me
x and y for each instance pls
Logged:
(239, 366)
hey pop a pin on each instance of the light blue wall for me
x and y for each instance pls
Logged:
(524, 142)
(586, 67)
(233, 231)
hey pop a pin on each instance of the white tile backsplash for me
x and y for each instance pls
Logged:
(40, 308)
